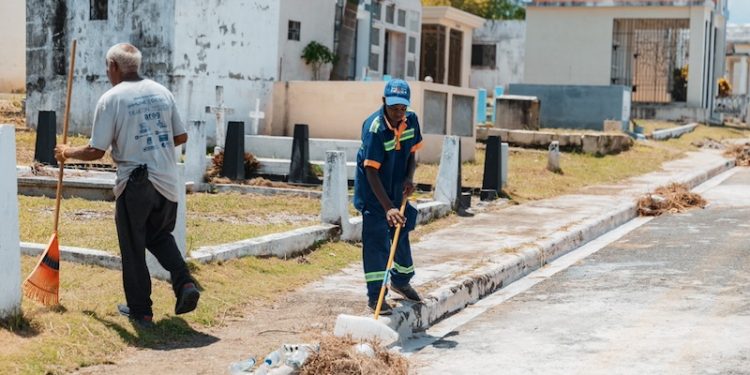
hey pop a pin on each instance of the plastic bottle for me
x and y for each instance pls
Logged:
(242, 367)
(273, 359)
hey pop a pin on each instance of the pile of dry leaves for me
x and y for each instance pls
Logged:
(672, 198)
(340, 356)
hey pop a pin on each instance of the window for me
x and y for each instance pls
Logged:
(411, 69)
(389, 10)
(483, 55)
(412, 44)
(374, 62)
(402, 18)
(376, 11)
(295, 27)
(375, 36)
(97, 10)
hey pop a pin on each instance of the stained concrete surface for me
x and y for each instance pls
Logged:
(672, 297)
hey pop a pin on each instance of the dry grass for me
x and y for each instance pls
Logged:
(212, 219)
(673, 198)
(339, 356)
(741, 154)
(88, 330)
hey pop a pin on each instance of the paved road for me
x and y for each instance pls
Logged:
(670, 297)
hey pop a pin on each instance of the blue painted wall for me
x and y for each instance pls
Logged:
(578, 107)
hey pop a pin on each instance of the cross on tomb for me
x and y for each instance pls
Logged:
(256, 116)
(220, 110)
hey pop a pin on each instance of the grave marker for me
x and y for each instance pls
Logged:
(195, 153)
(492, 181)
(299, 168)
(10, 248)
(553, 161)
(234, 155)
(256, 116)
(220, 110)
(46, 138)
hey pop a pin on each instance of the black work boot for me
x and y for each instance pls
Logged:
(407, 292)
(385, 309)
(143, 321)
(187, 301)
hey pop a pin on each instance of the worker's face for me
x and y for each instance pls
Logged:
(396, 112)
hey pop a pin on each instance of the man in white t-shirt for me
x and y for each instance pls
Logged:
(138, 118)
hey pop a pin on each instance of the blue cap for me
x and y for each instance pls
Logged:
(397, 92)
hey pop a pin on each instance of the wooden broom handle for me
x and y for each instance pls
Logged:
(58, 194)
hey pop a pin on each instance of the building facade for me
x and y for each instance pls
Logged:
(669, 52)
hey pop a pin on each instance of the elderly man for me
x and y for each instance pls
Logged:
(385, 172)
(138, 118)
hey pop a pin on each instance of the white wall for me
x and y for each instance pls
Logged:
(509, 38)
(317, 23)
(150, 32)
(228, 46)
(560, 50)
(12, 43)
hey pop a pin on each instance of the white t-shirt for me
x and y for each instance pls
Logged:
(139, 120)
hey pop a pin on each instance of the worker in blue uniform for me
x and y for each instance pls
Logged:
(385, 176)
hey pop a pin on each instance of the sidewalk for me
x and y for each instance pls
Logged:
(458, 265)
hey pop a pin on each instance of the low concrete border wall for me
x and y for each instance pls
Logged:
(677, 132)
(592, 143)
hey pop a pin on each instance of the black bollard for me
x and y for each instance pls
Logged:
(492, 180)
(234, 151)
(299, 168)
(46, 138)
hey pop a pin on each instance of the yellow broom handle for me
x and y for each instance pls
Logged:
(65, 130)
(388, 266)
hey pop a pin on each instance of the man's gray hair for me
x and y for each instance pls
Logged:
(127, 57)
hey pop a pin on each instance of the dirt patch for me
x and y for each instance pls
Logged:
(672, 198)
(740, 153)
(340, 356)
(276, 218)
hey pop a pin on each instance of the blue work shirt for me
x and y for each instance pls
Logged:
(386, 148)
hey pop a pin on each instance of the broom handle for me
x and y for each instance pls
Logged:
(390, 261)
(58, 193)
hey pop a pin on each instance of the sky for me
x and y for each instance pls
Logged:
(739, 11)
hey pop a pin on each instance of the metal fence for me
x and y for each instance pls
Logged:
(651, 56)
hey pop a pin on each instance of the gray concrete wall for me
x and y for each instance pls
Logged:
(578, 107)
(509, 38)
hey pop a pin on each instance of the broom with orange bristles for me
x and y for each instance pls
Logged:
(43, 284)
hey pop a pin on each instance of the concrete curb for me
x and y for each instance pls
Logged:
(281, 245)
(504, 269)
(76, 255)
(677, 132)
(246, 189)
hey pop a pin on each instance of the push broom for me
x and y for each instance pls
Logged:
(364, 328)
(43, 284)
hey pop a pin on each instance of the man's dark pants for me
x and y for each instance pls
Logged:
(145, 219)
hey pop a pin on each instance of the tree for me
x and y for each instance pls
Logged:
(315, 55)
(489, 9)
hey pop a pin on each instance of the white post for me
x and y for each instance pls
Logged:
(335, 199)
(448, 184)
(10, 248)
(195, 153)
(553, 160)
(179, 231)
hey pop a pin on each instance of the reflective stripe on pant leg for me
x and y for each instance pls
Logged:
(375, 247)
